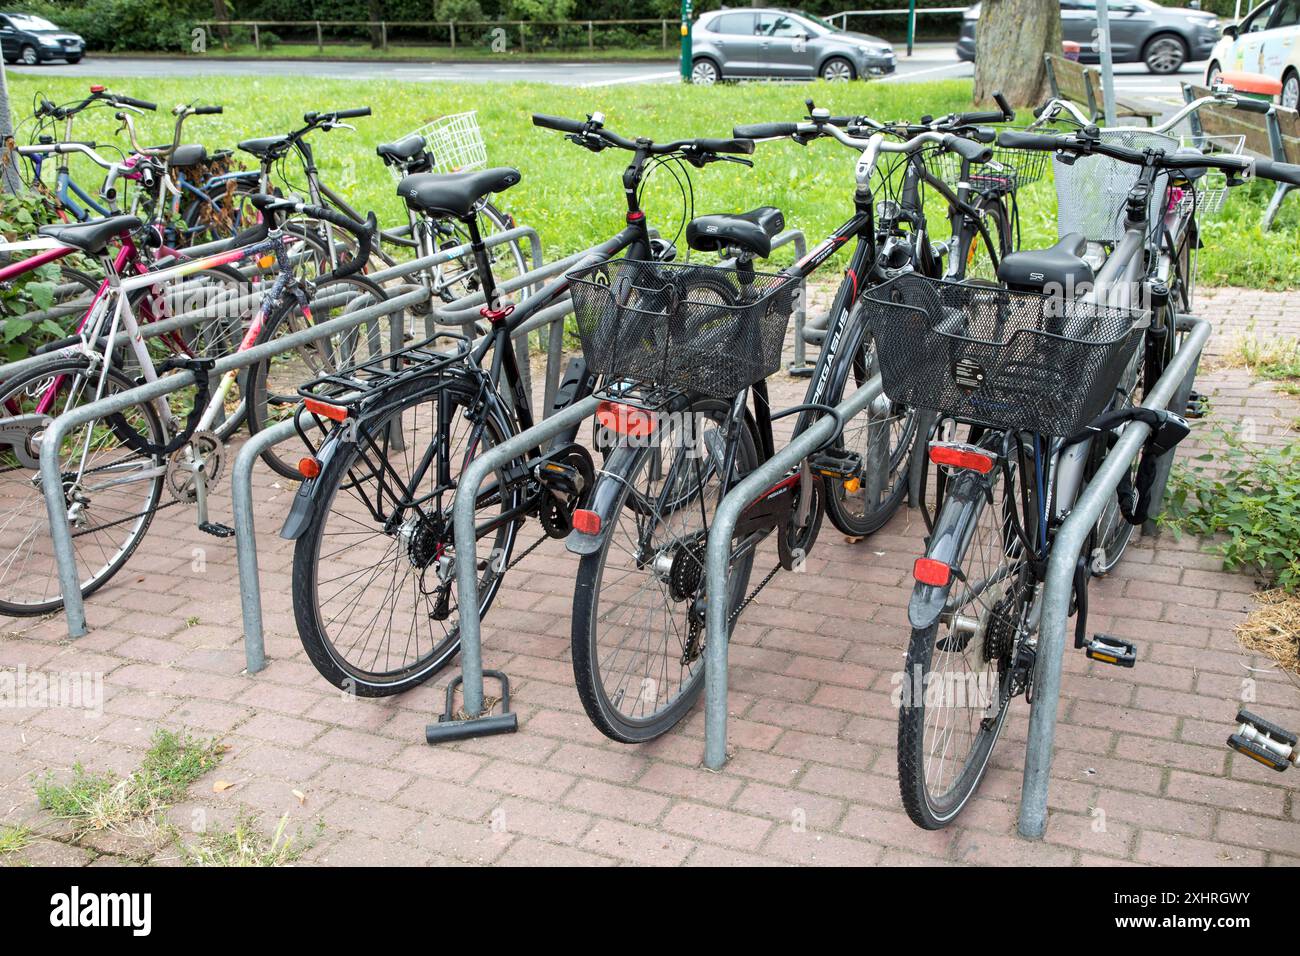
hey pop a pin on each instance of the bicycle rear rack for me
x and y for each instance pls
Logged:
(354, 385)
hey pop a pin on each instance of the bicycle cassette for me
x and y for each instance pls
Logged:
(204, 447)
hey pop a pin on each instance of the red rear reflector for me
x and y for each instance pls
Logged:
(308, 467)
(956, 456)
(625, 419)
(588, 522)
(930, 571)
(325, 409)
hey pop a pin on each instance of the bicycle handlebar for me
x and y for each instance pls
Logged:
(316, 116)
(130, 101)
(363, 231)
(592, 132)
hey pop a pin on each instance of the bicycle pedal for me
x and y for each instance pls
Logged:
(838, 464)
(1111, 650)
(216, 529)
(1196, 405)
(1264, 742)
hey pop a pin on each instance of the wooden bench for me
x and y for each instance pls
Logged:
(1273, 135)
(1070, 80)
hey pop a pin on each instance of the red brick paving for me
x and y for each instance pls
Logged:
(1141, 774)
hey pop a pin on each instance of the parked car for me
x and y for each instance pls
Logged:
(30, 39)
(772, 42)
(1267, 41)
(1164, 38)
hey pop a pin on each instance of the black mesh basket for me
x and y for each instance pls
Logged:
(682, 327)
(1010, 169)
(1017, 360)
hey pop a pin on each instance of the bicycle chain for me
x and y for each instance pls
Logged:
(752, 594)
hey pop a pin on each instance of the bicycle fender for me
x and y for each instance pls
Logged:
(306, 501)
(610, 480)
(953, 530)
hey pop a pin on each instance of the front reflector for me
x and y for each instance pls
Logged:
(930, 571)
(308, 467)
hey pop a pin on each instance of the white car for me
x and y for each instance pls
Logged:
(1266, 41)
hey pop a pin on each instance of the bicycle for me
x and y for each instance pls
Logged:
(115, 468)
(1036, 376)
(684, 430)
(374, 582)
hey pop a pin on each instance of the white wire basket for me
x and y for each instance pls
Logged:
(1211, 190)
(454, 141)
(1092, 191)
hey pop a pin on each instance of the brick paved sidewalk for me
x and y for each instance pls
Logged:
(812, 776)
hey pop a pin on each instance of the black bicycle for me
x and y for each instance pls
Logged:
(374, 582)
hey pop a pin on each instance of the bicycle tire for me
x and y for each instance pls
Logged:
(321, 639)
(26, 387)
(589, 662)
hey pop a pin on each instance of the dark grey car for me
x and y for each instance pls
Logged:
(31, 39)
(1163, 38)
(782, 44)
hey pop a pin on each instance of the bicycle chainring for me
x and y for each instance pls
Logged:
(209, 450)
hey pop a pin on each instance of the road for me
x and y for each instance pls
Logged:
(931, 61)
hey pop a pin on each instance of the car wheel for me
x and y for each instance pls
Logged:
(1164, 54)
(837, 70)
(705, 72)
(1291, 90)
(29, 55)
(1212, 74)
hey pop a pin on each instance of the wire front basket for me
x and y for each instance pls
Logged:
(1010, 169)
(1015, 360)
(1092, 191)
(1210, 191)
(455, 142)
(681, 327)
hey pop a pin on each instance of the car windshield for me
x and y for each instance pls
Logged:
(24, 21)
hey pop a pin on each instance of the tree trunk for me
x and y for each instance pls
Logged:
(221, 15)
(1010, 40)
(376, 9)
(9, 178)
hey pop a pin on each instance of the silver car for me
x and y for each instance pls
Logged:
(782, 44)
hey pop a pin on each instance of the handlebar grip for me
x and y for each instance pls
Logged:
(738, 145)
(362, 230)
(969, 149)
(1008, 113)
(1251, 105)
(208, 110)
(984, 116)
(354, 112)
(558, 123)
(138, 104)
(765, 130)
(1278, 172)
(1016, 140)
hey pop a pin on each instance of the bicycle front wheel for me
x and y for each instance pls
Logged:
(110, 491)
(638, 630)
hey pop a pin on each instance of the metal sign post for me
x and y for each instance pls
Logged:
(686, 41)
(1107, 64)
(911, 25)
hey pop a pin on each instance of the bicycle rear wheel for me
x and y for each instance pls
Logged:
(375, 593)
(638, 635)
(957, 679)
(110, 501)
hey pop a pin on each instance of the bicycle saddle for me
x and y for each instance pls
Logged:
(191, 154)
(91, 237)
(1191, 175)
(454, 194)
(265, 147)
(751, 231)
(1061, 266)
(401, 152)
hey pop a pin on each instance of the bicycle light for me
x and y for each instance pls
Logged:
(956, 455)
(625, 419)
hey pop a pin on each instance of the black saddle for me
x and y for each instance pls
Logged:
(1191, 175)
(265, 148)
(751, 231)
(91, 237)
(1062, 266)
(191, 154)
(454, 194)
(401, 152)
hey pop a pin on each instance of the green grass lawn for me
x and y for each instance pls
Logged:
(574, 197)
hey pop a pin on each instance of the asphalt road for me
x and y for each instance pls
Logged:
(931, 61)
